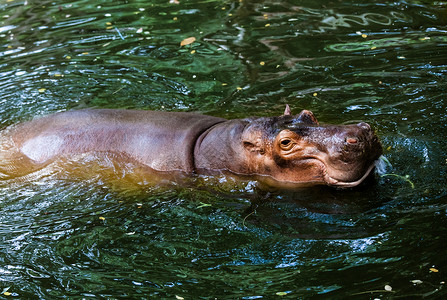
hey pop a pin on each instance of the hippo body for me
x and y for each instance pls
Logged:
(285, 149)
(163, 141)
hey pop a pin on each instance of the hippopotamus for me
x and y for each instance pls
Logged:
(287, 149)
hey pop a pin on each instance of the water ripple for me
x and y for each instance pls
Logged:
(383, 63)
(73, 23)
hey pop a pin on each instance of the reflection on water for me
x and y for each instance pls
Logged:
(383, 63)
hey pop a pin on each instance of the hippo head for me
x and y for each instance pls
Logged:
(297, 149)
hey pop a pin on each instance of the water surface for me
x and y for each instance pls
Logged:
(382, 62)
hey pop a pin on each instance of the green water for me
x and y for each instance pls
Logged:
(383, 62)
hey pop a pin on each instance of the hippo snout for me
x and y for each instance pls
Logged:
(361, 133)
(357, 142)
(354, 150)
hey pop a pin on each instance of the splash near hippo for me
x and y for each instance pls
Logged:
(284, 150)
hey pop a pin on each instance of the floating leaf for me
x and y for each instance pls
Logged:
(179, 297)
(42, 90)
(388, 288)
(188, 41)
(174, 1)
(102, 218)
(434, 270)
(416, 281)
(281, 293)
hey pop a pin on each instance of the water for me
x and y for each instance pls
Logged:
(382, 62)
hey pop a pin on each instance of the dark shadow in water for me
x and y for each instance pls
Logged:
(319, 212)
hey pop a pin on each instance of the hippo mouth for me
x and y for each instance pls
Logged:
(341, 183)
(322, 176)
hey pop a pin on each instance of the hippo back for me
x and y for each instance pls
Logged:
(163, 141)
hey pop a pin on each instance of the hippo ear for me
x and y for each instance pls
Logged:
(287, 112)
(307, 117)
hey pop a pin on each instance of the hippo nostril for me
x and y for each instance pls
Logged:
(364, 126)
(351, 140)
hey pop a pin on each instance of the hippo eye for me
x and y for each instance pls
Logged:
(286, 144)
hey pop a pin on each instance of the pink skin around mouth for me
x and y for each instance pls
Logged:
(334, 182)
(328, 180)
(331, 181)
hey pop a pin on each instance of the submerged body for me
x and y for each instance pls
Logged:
(286, 149)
